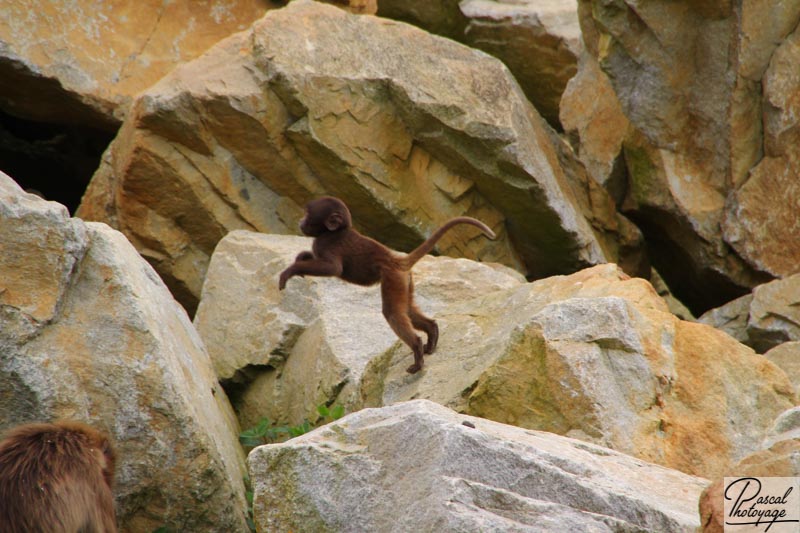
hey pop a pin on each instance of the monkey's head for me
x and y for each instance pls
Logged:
(323, 215)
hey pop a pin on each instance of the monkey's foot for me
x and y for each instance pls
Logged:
(413, 369)
(433, 338)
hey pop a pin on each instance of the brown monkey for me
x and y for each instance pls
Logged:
(56, 478)
(339, 250)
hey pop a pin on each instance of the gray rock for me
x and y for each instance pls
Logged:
(416, 466)
(764, 319)
(786, 427)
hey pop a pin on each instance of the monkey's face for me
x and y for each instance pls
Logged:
(326, 214)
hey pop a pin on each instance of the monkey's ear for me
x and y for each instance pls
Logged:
(334, 221)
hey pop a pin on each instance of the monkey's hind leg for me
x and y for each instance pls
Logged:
(422, 322)
(394, 292)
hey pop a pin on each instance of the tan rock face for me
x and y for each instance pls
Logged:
(98, 55)
(244, 136)
(698, 156)
(38, 273)
(595, 124)
(761, 221)
(597, 356)
(88, 331)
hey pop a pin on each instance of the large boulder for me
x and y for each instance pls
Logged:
(713, 140)
(81, 62)
(244, 136)
(595, 355)
(417, 466)
(88, 331)
(539, 41)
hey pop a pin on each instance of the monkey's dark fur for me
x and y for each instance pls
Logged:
(339, 250)
(56, 478)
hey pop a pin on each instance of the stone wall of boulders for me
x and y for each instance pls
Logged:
(639, 162)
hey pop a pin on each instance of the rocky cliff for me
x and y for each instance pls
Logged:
(638, 161)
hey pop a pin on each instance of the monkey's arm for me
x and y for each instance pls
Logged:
(305, 266)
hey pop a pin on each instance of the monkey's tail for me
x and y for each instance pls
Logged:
(419, 252)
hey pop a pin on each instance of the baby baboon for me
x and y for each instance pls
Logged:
(339, 250)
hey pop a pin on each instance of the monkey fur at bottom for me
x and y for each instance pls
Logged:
(56, 477)
(341, 251)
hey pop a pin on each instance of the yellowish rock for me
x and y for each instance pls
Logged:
(599, 357)
(294, 108)
(106, 52)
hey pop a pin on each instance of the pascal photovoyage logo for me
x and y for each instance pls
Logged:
(760, 504)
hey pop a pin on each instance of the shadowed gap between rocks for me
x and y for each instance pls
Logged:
(699, 291)
(237, 385)
(56, 161)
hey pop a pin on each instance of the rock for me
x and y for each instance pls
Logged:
(440, 18)
(539, 41)
(780, 460)
(786, 427)
(88, 331)
(787, 357)
(359, 7)
(594, 355)
(681, 216)
(81, 62)
(403, 468)
(244, 136)
(761, 219)
(288, 352)
(42, 248)
(731, 318)
(675, 306)
(764, 319)
(701, 164)
(596, 126)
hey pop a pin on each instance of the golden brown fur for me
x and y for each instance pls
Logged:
(56, 478)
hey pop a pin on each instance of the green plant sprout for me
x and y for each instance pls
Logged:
(266, 433)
